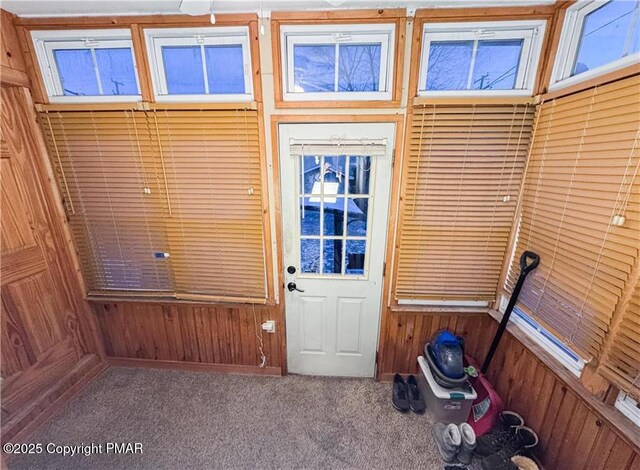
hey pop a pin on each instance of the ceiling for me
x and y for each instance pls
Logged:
(36, 8)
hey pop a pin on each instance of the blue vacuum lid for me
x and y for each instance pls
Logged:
(447, 354)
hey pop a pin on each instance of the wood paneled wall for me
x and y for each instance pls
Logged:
(576, 431)
(202, 337)
(12, 67)
(405, 332)
(48, 344)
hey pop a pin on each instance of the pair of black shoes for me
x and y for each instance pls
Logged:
(406, 396)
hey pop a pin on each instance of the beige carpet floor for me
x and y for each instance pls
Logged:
(190, 420)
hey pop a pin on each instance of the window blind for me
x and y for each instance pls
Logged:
(164, 203)
(581, 212)
(622, 365)
(462, 175)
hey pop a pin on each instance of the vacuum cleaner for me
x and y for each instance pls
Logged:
(445, 357)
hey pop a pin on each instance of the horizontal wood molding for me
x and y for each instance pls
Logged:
(484, 14)
(194, 366)
(68, 22)
(13, 77)
(53, 400)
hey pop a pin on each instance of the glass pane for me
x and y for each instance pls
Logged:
(604, 35)
(309, 217)
(355, 256)
(314, 68)
(117, 73)
(332, 257)
(449, 63)
(225, 69)
(359, 173)
(334, 175)
(183, 70)
(310, 171)
(359, 67)
(77, 75)
(310, 256)
(357, 212)
(496, 65)
(334, 216)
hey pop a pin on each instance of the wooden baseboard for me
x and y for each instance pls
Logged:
(19, 428)
(194, 366)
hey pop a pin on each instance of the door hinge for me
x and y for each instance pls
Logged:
(384, 269)
(393, 158)
(376, 357)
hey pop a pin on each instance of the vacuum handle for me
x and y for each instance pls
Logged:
(525, 266)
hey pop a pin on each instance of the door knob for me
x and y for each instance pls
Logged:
(292, 286)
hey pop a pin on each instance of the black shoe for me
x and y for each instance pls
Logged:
(416, 403)
(400, 394)
(494, 440)
(520, 443)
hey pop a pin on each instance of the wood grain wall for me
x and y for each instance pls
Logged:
(204, 337)
(576, 430)
(48, 345)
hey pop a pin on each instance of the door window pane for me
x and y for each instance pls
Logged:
(314, 68)
(334, 175)
(334, 216)
(310, 256)
(357, 217)
(183, 70)
(449, 63)
(605, 34)
(77, 75)
(355, 255)
(496, 65)
(117, 73)
(310, 174)
(225, 69)
(309, 217)
(359, 67)
(359, 173)
(332, 257)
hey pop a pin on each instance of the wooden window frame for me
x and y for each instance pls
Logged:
(138, 25)
(547, 13)
(531, 33)
(45, 41)
(156, 38)
(569, 44)
(334, 18)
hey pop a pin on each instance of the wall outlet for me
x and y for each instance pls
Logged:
(269, 326)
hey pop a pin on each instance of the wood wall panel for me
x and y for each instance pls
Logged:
(48, 343)
(403, 338)
(191, 333)
(12, 66)
(575, 430)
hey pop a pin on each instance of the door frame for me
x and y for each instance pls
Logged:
(399, 119)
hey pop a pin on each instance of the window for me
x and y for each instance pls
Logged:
(164, 204)
(459, 200)
(544, 338)
(87, 65)
(628, 407)
(204, 64)
(480, 58)
(597, 37)
(351, 62)
(580, 215)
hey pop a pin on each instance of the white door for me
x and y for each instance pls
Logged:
(335, 181)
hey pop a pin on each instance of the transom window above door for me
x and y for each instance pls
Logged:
(343, 62)
(200, 64)
(87, 65)
(496, 58)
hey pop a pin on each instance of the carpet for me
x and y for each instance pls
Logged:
(199, 420)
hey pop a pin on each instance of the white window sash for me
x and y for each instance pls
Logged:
(530, 33)
(197, 37)
(570, 42)
(45, 42)
(325, 35)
